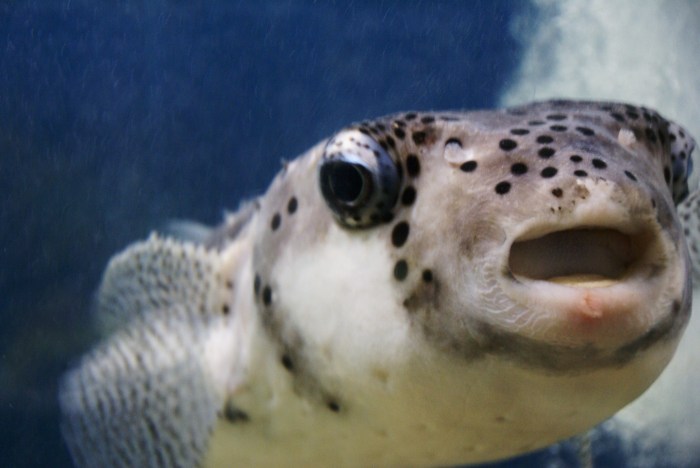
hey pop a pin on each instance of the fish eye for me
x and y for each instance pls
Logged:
(346, 182)
(358, 180)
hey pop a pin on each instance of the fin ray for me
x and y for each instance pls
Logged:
(155, 275)
(144, 397)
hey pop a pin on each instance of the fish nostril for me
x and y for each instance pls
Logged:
(578, 256)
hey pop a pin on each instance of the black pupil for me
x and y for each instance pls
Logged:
(346, 181)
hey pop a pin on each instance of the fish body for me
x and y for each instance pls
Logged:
(421, 289)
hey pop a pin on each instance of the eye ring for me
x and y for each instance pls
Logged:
(358, 180)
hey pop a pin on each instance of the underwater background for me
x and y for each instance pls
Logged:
(117, 117)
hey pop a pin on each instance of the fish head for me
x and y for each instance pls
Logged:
(530, 247)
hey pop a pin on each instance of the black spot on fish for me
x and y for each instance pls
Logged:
(507, 144)
(234, 414)
(401, 270)
(275, 222)
(468, 166)
(333, 406)
(599, 163)
(419, 137)
(292, 205)
(546, 152)
(287, 362)
(408, 196)
(518, 169)
(650, 135)
(267, 295)
(617, 116)
(256, 284)
(412, 165)
(399, 234)
(502, 188)
(548, 172)
(519, 131)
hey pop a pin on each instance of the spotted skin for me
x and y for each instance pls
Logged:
(418, 289)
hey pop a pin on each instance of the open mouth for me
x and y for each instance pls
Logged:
(586, 257)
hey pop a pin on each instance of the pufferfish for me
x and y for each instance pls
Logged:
(422, 289)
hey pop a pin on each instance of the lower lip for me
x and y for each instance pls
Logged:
(587, 309)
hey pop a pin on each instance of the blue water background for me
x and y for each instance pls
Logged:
(116, 117)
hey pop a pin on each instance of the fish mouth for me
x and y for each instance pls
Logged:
(599, 294)
(584, 256)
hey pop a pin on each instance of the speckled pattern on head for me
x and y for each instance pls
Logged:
(421, 289)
